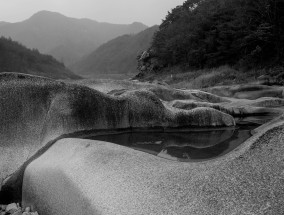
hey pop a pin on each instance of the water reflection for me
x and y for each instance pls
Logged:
(183, 146)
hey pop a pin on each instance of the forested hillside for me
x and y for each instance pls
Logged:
(117, 56)
(15, 57)
(244, 34)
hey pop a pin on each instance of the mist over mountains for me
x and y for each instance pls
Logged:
(117, 56)
(67, 39)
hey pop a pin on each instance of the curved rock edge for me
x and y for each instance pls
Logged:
(237, 153)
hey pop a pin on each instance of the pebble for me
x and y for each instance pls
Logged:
(28, 209)
(15, 209)
(11, 207)
(17, 212)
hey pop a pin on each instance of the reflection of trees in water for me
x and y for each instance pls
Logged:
(184, 146)
(200, 139)
(191, 153)
(147, 142)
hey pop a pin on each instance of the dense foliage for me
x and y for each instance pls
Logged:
(15, 57)
(210, 33)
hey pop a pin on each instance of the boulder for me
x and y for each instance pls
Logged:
(238, 107)
(92, 177)
(50, 110)
(247, 91)
(11, 207)
(56, 174)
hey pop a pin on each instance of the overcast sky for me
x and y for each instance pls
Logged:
(149, 12)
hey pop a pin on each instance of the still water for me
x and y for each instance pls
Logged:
(186, 145)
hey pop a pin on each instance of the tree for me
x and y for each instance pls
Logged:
(209, 33)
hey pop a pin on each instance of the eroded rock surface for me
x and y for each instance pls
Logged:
(35, 111)
(238, 101)
(72, 176)
(104, 178)
(248, 91)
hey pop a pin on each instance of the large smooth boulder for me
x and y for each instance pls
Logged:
(35, 111)
(78, 176)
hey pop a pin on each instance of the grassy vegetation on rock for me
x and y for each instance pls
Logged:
(200, 37)
(223, 75)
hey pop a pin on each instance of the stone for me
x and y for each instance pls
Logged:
(27, 209)
(17, 212)
(144, 55)
(50, 109)
(103, 178)
(143, 68)
(115, 180)
(12, 206)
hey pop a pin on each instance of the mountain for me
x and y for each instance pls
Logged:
(15, 57)
(3, 23)
(67, 39)
(117, 56)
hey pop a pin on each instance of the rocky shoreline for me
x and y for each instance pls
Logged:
(52, 110)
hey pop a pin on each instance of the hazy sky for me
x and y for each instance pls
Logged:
(149, 12)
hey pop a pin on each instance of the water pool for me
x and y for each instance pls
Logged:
(183, 145)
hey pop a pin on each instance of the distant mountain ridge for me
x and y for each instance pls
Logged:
(67, 39)
(117, 56)
(14, 57)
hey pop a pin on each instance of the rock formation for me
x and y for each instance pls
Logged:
(147, 63)
(36, 110)
(56, 174)
(94, 177)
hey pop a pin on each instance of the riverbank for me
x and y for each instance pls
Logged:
(205, 78)
(53, 110)
(125, 181)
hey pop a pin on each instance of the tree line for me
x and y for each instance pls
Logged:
(210, 33)
(15, 57)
